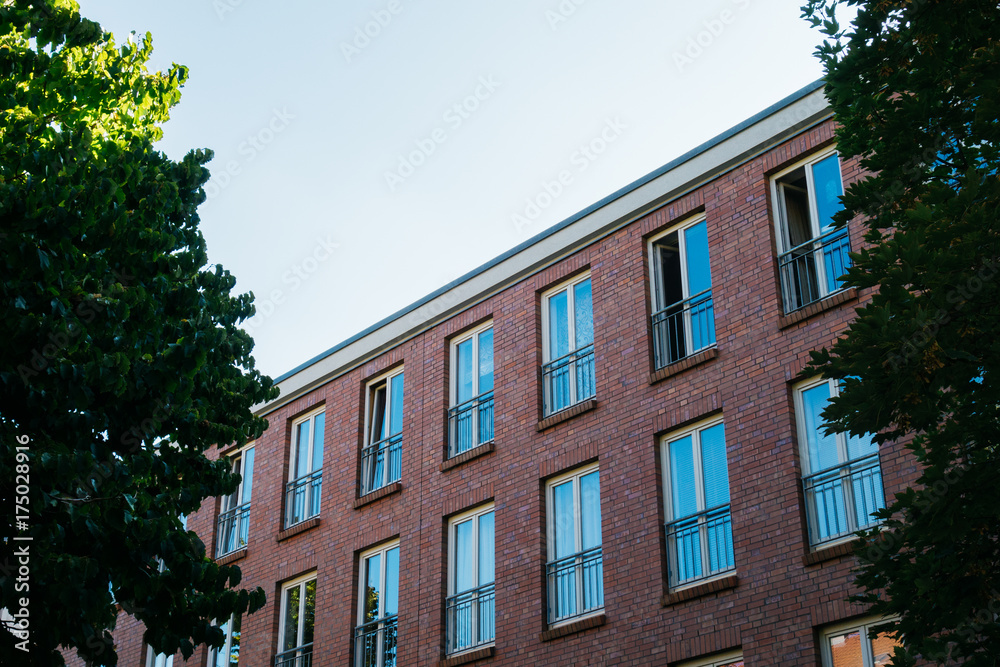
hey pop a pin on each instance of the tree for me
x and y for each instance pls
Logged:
(121, 359)
(914, 86)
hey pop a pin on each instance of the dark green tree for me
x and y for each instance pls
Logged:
(915, 86)
(121, 360)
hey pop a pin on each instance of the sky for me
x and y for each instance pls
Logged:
(368, 152)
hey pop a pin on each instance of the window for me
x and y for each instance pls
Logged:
(298, 617)
(727, 660)
(568, 345)
(158, 659)
(683, 314)
(228, 655)
(470, 604)
(696, 491)
(851, 646)
(812, 254)
(305, 473)
(234, 514)
(575, 568)
(470, 419)
(842, 478)
(382, 456)
(378, 604)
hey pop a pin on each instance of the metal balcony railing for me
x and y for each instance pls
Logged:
(813, 270)
(568, 380)
(470, 424)
(302, 498)
(375, 643)
(381, 463)
(297, 657)
(840, 500)
(470, 618)
(234, 530)
(683, 328)
(700, 546)
(576, 585)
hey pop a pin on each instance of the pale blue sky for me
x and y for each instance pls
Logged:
(484, 102)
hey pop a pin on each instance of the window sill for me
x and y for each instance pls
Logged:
(468, 656)
(378, 494)
(845, 548)
(683, 364)
(231, 557)
(568, 413)
(573, 627)
(300, 527)
(698, 590)
(826, 303)
(468, 455)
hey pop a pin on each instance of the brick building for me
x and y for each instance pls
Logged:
(597, 449)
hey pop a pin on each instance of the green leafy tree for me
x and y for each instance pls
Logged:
(915, 86)
(121, 360)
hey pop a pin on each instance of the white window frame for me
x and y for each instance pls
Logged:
(299, 582)
(550, 528)
(158, 659)
(469, 515)
(370, 386)
(843, 455)
(715, 661)
(237, 498)
(862, 625)
(477, 393)
(658, 300)
(226, 649)
(312, 468)
(359, 617)
(565, 286)
(694, 430)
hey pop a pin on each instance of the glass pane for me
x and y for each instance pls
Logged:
(562, 513)
(845, 650)
(859, 446)
(882, 649)
(310, 613)
(463, 379)
(590, 513)
(822, 448)
(829, 188)
(558, 326)
(377, 414)
(669, 287)
(290, 633)
(683, 494)
(486, 361)
(583, 314)
(486, 549)
(234, 641)
(373, 571)
(320, 427)
(696, 248)
(302, 449)
(247, 475)
(391, 582)
(221, 658)
(464, 557)
(396, 405)
(713, 463)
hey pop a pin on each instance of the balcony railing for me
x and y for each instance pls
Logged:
(470, 618)
(683, 328)
(813, 270)
(381, 463)
(841, 500)
(470, 424)
(234, 529)
(302, 498)
(576, 585)
(375, 643)
(700, 546)
(568, 380)
(297, 657)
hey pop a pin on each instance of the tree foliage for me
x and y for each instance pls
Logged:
(915, 86)
(121, 360)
